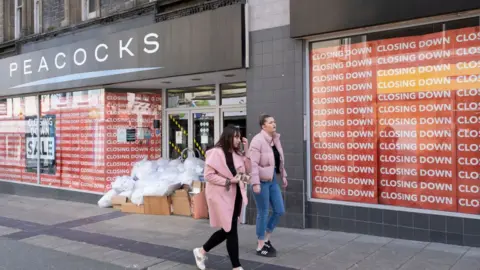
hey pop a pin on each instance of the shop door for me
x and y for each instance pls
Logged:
(236, 117)
(193, 129)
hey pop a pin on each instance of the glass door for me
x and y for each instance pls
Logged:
(193, 129)
(236, 117)
(203, 132)
(178, 138)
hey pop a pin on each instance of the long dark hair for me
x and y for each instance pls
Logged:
(226, 139)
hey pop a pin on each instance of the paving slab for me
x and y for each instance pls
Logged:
(15, 255)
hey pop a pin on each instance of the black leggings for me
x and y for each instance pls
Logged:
(232, 236)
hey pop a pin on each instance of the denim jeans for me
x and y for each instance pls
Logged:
(270, 194)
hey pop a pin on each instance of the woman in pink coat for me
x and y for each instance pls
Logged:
(268, 172)
(225, 193)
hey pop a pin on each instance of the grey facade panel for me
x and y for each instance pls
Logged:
(272, 90)
(311, 17)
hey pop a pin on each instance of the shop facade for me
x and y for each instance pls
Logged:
(378, 113)
(391, 114)
(79, 110)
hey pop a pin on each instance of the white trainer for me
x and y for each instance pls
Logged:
(199, 258)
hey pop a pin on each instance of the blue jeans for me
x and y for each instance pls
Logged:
(270, 194)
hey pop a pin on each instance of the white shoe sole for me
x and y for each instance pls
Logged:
(197, 262)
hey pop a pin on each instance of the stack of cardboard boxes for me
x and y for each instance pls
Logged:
(187, 201)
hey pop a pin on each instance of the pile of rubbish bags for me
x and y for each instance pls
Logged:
(154, 178)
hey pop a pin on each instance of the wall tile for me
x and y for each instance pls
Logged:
(390, 217)
(362, 214)
(421, 221)
(438, 223)
(376, 215)
(455, 225)
(471, 226)
(406, 233)
(405, 219)
(438, 237)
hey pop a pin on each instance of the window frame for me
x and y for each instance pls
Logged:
(37, 16)
(18, 18)
(86, 15)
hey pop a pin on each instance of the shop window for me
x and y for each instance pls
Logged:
(133, 131)
(76, 154)
(95, 136)
(234, 93)
(19, 144)
(395, 117)
(198, 96)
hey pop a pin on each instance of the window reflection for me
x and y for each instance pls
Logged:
(191, 97)
(234, 93)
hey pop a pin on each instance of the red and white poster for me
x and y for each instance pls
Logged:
(419, 101)
(128, 115)
(91, 148)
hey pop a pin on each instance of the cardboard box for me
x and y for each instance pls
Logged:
(119, 200)
(199, 206)
(157, 205)
(132, 208)
(198, 187)
(181, 203)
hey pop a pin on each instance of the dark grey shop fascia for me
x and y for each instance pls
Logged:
(314, 17)
(204, 42)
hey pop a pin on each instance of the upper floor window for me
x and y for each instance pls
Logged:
(89, 9)
(37, 16)
(18, 18)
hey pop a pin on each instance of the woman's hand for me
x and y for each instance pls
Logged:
(245, 143)
(234, 180)
(285, 182)
(256, 189)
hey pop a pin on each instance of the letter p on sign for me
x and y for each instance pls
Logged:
(13, 67)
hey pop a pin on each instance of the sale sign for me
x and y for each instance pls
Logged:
(396, 121)
(43, 147)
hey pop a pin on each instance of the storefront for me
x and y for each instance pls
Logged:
(392, 113)
(74, 117)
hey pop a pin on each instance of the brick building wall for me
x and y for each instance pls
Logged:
(113, 6)
(53, 12)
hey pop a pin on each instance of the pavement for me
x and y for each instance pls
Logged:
(42, 234)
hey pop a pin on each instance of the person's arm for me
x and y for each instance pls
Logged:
(255, 154)
(212, 177)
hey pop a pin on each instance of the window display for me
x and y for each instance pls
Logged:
(19, 149)
(90, 137)
(396, 120)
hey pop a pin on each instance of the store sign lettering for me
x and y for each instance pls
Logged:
(80, 56)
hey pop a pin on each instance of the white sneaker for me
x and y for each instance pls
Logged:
(199, 259)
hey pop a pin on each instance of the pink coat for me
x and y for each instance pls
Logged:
(263, 159)
(221, 202)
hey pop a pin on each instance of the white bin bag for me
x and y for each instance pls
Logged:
(106, 200)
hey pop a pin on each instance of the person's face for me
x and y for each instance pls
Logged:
(270, 125)
(236, 140)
